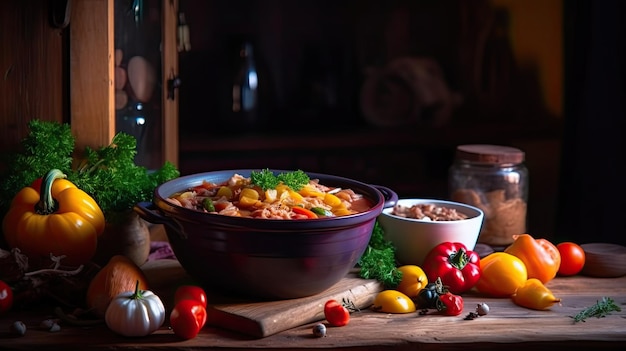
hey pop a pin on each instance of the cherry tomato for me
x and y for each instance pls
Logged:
(188, 318)
(572, 258)
(450, 304)
(190, 292)
(336, 314)
(6, 297)
(413, 280)
(393, 301)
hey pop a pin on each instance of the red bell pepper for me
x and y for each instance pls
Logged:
(303, 211)
(458, 268)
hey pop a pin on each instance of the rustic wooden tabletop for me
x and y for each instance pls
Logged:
(506, 326)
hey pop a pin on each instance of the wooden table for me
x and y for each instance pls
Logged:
(507, 326)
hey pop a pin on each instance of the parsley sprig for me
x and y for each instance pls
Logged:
(600, 309)
(266, 179)
(379, 260)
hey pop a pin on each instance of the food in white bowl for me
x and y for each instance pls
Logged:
(413, 236)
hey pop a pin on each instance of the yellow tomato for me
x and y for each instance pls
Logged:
(501, 274)
(413, 280)
(393, 301)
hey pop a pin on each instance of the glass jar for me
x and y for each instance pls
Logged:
(494, 179)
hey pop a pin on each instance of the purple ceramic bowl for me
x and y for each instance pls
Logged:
(265, 258)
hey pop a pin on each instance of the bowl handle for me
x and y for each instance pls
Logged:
(390, 196)
(147, 211)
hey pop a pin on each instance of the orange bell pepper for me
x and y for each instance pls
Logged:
(541, 257)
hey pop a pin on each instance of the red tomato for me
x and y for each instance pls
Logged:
(572, 258)
(336, 314)
(190, 292)
(451, 305)
(188, 318)
(6, 297)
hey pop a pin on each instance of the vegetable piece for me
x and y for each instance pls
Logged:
(332, 200)
(305, 212)
(6, 297)
(336, 313)
(379, 260)
(117, 276)
(541, 258)
(458, 268)
(322, 212)
(188, 318)
(190, 292)
(413, 280)
(208, 205)
(572, 258)
(135, 313)
(53, 216)
(501, 274)
(393, 301)
(534, 295)
(450, 304)
(600, 309)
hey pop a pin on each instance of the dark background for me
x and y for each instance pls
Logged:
(315, 57)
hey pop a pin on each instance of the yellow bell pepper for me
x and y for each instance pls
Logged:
(53, 216)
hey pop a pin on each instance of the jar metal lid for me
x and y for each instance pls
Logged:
(485, 153)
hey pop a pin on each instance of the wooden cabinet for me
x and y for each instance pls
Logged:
(32, 66)
(67, 74)
(92, 64)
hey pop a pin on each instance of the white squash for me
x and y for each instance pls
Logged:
(135, 313)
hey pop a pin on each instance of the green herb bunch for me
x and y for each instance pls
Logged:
(379, 260)
(109, 174)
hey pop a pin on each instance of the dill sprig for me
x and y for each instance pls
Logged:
(379, 260)
(600, 309)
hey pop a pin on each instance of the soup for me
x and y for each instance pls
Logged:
(275, 199)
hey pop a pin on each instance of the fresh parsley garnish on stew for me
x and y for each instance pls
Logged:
(267, 180)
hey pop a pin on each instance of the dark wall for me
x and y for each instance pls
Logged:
(593, 190)
(314, 57)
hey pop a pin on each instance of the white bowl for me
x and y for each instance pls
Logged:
(414, 238)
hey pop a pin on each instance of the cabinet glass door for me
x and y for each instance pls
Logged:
(138, 76)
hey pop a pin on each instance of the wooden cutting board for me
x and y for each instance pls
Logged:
(261, 319)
